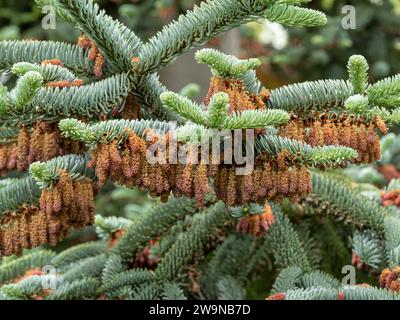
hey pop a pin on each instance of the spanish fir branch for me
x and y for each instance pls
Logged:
(196, 28)
(61, 13)
(230, 67)
(17, 192)
(288, 279)
(230, 288)
(147, 291)
(320, 279)
(332, 245)
(4, 104)
(13, 269)
(117, 42)
(218, 110)
(147, 90)
(368, 248)
(215, 117)
(359, 208)
(131, 278)
(316, 293)
(88, 267)
(73, 57)
(391, 117)
(191, 241)
(24, 289)
(92, 100)
(8, 133)
(46, 173)
(357, 104)
(258, 260)
(229, 259)
(66, 258)
(392, 241)
(285, 243)
(385, 93)
(311, 95)
(106, 226)
(348, 293)
(26, 90)
(87, 288)
(172, 291)
(107, 131)
(252, 119)
(184, 107)
(114, 265)
(295, 16)
(369, 293)
(49, 72)
(155, 222)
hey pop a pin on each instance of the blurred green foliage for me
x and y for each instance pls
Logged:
(321, 53)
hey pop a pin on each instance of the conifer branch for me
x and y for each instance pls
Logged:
(157, 220)
(295, 16)
(66, 258)
(189, 242)
(18, 267)
(358, 207)
(73, 57)
(287, 279)
(196, 28)
(46, 173)
(285, 243)
(49, 72)
(17, 192)
(118, 43)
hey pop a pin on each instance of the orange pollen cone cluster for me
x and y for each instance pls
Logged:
(239, 98)
(115, 238)
(257, 224)
(132, 109)
(389, 279)
(344, 130)
(266, 182)
(64, 83)
(42, 143)
(144, 259)
(94, 55)
(391, 198)
(127, 164)
(55, 62)
(277, 296)
(69, 204)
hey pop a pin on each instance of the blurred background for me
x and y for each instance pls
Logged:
(288, 54)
